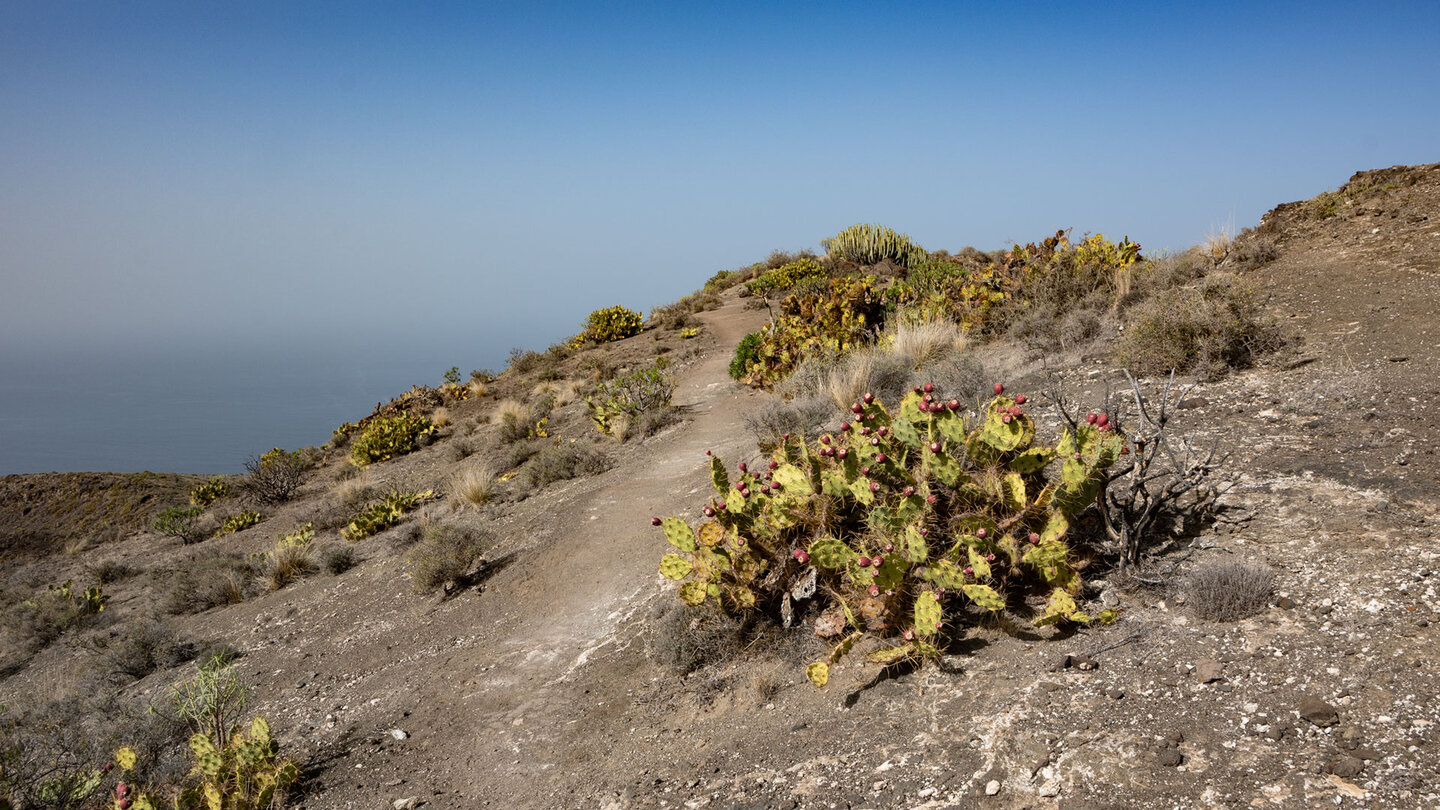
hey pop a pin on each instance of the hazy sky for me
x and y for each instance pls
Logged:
(483, 174)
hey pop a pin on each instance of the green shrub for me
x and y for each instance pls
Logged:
(747, 354)
(896, 524)
(786, 277)
(179, 522)
(629, 396)
(37, 622)
(383, 514)
(389, 436)
(209, 492)
(238, 522)
(872, 244)
(611, 323)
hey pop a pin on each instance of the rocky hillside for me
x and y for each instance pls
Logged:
(551, 668)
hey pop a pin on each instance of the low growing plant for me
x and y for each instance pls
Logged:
(383, 514)
(209, 492)
(630, 395)
(610, 324)
(238, 522)
(179, 522)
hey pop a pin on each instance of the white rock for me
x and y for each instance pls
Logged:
(992, 787)
(398, 734)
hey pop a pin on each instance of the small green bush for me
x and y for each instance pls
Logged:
(563, 462)
(384, 513)
(39, 621)
(747, 353)
(611, 323)
(786, 277)
(389, 436)
(629, 396)
(179, 522)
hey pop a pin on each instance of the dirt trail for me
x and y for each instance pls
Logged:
(484, 686)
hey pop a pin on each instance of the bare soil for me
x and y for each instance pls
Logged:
(538, 687)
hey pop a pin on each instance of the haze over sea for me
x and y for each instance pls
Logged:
(226, 227)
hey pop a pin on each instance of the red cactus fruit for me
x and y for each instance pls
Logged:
(908, 491)
(823, 440)
(934, 447)
(869, 397)
(774, 464)
(989, 558)
(883, 431)
(742, 467)
(719, 506)
(655, 521)
(844, 426)
(953, 404)
(980, 533)
(122, 790)
(969, 570)
(801, 556)
(708, 512)
(928, 387)
(874, 590)
(874, 486)
(864, 561)
(877, 561)
(857, 408)
(764, 489)
(999, 389)
(1034, 539)
(1091, 417)
(1019, 399)
(1102, 420)
(909, 635)
(775, 485)
(889, 547)
(842, 453)
(932, 498)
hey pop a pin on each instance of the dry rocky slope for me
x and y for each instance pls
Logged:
(535, 690)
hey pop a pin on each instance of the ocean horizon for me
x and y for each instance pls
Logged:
(188, 410)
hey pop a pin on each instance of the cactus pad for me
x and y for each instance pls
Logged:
(679, 534)
(927, 614)
(818, 673)
(673, 566)
(986, 597)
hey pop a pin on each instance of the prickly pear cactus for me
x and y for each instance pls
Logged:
(905, 519)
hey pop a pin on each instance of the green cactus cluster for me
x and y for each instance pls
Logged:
(610, 324)
(384, 513)
(385, 437)
(787, 277)
(238, 522)
(245, 773)
(209, 492)
(872, 244)
(843, 317)
(902, 520)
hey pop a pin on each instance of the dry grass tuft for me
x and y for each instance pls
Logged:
(475, 486)
(291, 559)
(440, 417)
(561, 392)
(1229, 591)
(477, 388)
(511, 410)
(355, 492)
(925, 341)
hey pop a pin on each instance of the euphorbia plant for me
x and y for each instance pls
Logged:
(897, 521)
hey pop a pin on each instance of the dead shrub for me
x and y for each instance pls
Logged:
(1228, 591)
(447, 555)
(563, 462)
(807, 416)
(208, 581)
(147, 645)
(1211, 327)
(339, 559)
(686, 640)
(275, 476)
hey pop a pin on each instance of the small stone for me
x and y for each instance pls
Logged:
(1173, 739)
(992, 787)
(1346, 766)
(1366, 753)
(1114, 694)
(407, 803)
(1208, 670)
(1318, 712)
(1277, 732)
(1081, 662)
(1285, 603)
(1171, 758)
(398, 734)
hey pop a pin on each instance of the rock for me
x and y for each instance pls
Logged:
(398, 734)
(1208, 670)
(1277, 732)
(1318, 712)
(1171, 758)
(407, 803)
(1285, 603)
(1346, 766)
(1366, 753)
(992, 787)
(1114, 694)
(1350, 738)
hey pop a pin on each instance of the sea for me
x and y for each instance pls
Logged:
(192, 410)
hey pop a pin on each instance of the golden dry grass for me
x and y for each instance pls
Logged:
(440, 417)
(477, 388)
(563, 391)
(509, 410)
(474, 485)
(924, 341)
(288, 561)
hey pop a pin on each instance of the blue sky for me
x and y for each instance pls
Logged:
(461, 178)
